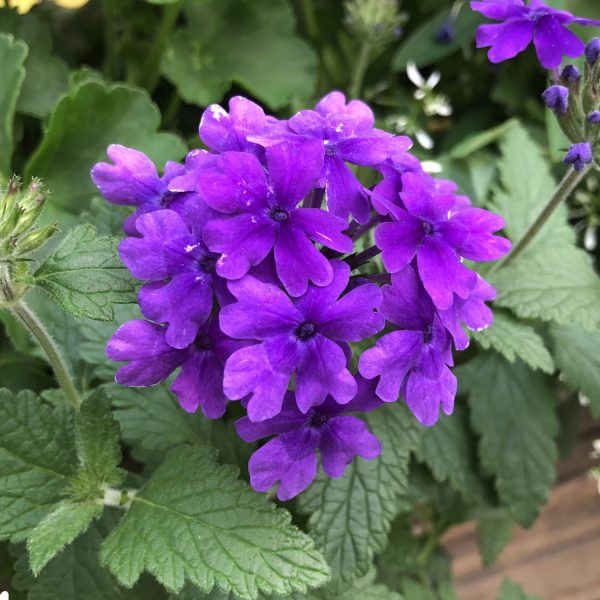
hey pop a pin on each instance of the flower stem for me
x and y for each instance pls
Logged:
(358, 260)
(37, 329)
(432, 542)
(111, 42)
(563, 191)
(360, 69)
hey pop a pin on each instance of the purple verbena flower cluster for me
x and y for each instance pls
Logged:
(261, 282)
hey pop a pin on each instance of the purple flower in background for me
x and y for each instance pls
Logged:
(260, 214)
(291, 456)
(522, 23)
(579, 155)
(305, 338)
(143, 345)
(412, 362)
(438, 232)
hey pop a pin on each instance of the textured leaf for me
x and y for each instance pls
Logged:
(351, 516)
(558, 284)
(513, 591)
(515, 339)
(448, 450)
(212, 529)
(267, 58)
(58, 529)
(494, 531)
(85, 276)
(12, 56)
(412, 590)
(513, 410)
(577, 355)
(81, 127)
(37, 455)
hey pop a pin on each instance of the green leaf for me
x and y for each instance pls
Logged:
(37, 456)
(12, 56)
(421, 46)
(267, 59)
(351, 516)
(214, 531)
(513, 409)
(480, 140)
(577, 355)
(558, 284)
(364, 588)
(85, 276)
(411, 590)
(448, 450)
(81, 127)
(515, 339)
(513, 591)
(494, 531)
(68, 521)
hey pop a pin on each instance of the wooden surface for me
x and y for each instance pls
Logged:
(558, 558)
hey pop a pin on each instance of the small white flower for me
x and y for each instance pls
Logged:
(424, 139)
(430, 166)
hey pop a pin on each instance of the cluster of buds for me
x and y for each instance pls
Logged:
(376, 21)
(575, 101)
(20, 210)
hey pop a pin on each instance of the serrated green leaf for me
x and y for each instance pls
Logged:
(58, 529)
(513, 591)
(350, 517)
(494, 531)
(513, 409)
(214, 531)
(412, 590)
(515, 339)
(577, 355)
(448, 449)
(558, 284)
(79, 130)
(85, 276)
(37, 456)
(12, 57)
(267, 59)
(480, 140)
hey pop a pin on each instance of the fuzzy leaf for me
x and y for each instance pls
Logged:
(513, 409)
(12, 56)
(267, 59)
(214, 530)
(513, 591)
(515, 339)
(558, 284)
(494, 531)
(448, 450)
(85, 276)
(68, 521)
(37, 456)
(577, 355)
(351, 516)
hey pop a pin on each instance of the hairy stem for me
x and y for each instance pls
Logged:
(360, 69)
(37, 329)
(563, 191)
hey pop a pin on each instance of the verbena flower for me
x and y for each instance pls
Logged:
(521, 23)
(579, 155)
(556, 98)
(570, 74)
(592, 51)
(291, 456)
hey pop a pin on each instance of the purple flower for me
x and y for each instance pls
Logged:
(260, 214)
(171, 248)
(143, 345)
(556, 98)
(412, 361)
(291, 458)
(570, 74)
(594, 117)
(436, 229)
(592, 51)
(346, 135)
(522, 23)
(579, 155)
(305, 338)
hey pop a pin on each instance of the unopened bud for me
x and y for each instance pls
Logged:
(556, 98)
(579, 155)
(592, 51)
(594, 117)
(570, 74)
(35, 239)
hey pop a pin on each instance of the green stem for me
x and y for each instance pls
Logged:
(310, 20)
(563, 191)
(150, 74)
(171, 110)
(43, 337)
(111, 42)
(360, 69)
(432, 542)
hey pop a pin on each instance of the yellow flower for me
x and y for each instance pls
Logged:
(24, 6)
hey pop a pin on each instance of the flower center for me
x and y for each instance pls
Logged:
(428, 228)
(305, 331)
(318, 419)
(208, 262)
(329, 150)
(427, 334)
(166, 199)
(279, 214)
(203, 342)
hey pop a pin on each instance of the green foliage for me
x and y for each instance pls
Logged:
(12, 56)
(494, 531)
(513, 410)
(513, 591)
(85, 276)
(350, 517)
(267, 59)
(214, 530)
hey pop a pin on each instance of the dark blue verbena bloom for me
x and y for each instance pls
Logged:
(592, 51)
(570, 74)
(446, 34)
(579, 155)
(556, 98)
(594, 117)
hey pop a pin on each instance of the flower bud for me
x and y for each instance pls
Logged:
(592, 51)
(446, 34)
(34, 239)
(376, 20)
(570, 74)
(556, 98)
(579, 155)
(594, 117)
